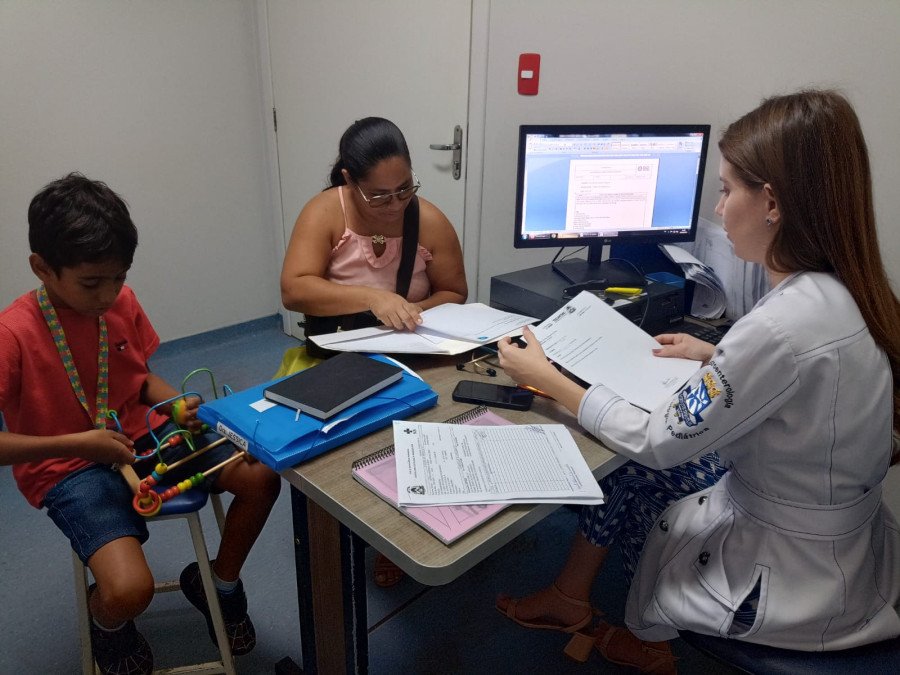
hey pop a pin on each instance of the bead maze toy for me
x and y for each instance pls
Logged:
(147, 501)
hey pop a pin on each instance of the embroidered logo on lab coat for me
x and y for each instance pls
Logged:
(694, 400)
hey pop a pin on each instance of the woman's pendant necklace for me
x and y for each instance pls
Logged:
(59, 339)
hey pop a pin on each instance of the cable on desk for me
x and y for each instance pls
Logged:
(557, 269)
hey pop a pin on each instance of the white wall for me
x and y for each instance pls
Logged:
(162, 100)
(691, 61)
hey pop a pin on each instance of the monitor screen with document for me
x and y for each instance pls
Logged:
(595, 185)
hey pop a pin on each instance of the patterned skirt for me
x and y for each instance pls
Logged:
(636, 496)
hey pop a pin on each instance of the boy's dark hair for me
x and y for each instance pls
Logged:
(75, 220)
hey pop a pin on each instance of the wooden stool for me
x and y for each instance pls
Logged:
(186, 505)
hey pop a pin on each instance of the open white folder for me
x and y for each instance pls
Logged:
(445, 329)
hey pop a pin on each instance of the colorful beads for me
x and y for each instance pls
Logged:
(147, 501)
(147, 506)
(178, 412)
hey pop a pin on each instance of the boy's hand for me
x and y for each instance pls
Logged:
(188, 418)
(103, 446)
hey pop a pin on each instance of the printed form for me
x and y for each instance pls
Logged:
(462, 464)
(596, 343)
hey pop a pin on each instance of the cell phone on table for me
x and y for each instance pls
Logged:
(498, 395)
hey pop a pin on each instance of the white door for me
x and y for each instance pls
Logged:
(335, 62)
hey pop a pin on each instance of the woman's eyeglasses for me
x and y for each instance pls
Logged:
(402, 195)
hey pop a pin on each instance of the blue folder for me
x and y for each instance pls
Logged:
(279, 439)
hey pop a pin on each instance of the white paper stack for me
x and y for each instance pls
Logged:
(445, 329)
(709, 293)
(744, 282)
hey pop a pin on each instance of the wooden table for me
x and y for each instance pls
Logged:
(335, 517)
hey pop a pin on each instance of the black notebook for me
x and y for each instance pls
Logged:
(335, 384)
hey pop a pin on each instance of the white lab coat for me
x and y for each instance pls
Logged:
(797, 400)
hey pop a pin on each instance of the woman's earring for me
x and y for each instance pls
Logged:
(769, 222)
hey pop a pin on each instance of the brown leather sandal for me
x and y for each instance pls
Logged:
(619, 645)
(510, 613)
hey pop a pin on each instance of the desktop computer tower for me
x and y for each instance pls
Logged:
(538, 292)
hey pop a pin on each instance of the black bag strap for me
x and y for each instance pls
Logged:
(409, 246)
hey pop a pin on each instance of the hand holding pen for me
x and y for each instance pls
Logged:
(530, 364)
(535, 391)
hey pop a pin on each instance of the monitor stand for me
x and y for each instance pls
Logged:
(597, 274)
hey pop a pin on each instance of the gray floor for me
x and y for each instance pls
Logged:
(415, 629)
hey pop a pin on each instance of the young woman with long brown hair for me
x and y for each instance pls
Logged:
(793, 547)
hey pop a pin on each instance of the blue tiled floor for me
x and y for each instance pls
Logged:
(447, 629)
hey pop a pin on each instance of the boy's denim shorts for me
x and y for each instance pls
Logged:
(93, 507)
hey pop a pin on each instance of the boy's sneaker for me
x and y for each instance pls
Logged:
(121, 652)
(238, 626)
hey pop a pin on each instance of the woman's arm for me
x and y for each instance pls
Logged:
(529, 365)
(303, 284)
(684, 346)
(446, 272)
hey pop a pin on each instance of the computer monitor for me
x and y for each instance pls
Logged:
(597, 185)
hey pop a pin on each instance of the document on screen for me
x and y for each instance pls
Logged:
(611, 194)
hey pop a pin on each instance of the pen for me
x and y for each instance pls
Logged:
(535, 390)
(623, 290)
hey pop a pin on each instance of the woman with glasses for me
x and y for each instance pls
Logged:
(367, 250)
(345, 265)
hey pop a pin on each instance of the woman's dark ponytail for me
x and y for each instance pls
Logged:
(337, 175)
(365, 143)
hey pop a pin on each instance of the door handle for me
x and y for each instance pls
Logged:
(456, 148)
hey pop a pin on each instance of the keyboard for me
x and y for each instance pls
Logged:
(711, 334)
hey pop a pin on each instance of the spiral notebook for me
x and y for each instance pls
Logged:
(378, 472)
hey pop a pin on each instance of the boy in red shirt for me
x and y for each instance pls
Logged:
(73, 350)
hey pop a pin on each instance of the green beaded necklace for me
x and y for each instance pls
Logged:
(59, 339)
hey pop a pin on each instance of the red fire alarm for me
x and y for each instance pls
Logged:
(529, 74)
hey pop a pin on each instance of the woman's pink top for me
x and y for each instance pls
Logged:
(353, 262)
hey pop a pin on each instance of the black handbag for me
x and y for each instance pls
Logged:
(320, 325)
